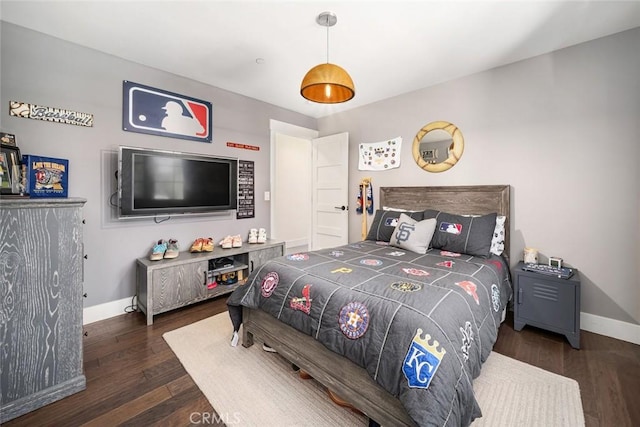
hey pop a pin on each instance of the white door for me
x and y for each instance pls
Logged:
(330, 192)
(291, 191)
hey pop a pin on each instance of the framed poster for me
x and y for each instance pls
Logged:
(10, 165)
(246, 200)
(158, 112)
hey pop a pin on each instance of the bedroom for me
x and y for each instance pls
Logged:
(543, 124)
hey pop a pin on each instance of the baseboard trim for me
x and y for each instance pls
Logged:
(610, 327)
(105, 311)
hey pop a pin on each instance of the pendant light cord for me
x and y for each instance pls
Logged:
(327, 25)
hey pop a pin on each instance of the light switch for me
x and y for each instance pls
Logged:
(267, 196)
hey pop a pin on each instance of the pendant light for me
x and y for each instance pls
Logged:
(327, 83)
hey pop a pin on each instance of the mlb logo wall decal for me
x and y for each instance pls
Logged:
(158, 112)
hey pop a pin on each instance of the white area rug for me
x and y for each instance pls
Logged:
(250, 387)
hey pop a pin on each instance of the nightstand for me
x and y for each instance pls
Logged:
(548, 302)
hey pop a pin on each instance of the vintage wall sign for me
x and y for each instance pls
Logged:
(49, 114)
(243, 146)
(246, 196)
(159, 112)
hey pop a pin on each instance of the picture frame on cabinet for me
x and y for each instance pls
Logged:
(7, 138)
(11, 157)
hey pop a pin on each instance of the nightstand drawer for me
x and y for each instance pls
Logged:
(547, 302)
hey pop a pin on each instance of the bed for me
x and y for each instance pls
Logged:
(359, 320)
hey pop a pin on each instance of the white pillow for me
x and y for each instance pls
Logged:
(497, 241)
(413, 235)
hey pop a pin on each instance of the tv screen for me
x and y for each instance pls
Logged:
(164, 183)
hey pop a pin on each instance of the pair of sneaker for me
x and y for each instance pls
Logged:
(257, 235)
(231, 242)
(165, 250)
(202, 245)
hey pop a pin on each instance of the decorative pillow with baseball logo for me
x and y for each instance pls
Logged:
(413, 235)
(463, 234)
(384, 223)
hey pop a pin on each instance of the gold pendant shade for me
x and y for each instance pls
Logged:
(327, 83)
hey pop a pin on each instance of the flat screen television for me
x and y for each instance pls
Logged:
(164, 183)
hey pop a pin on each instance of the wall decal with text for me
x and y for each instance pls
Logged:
(49, 114)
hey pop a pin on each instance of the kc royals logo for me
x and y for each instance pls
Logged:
(422, 360)
(269, 284)
(354, 320)
(158, 112)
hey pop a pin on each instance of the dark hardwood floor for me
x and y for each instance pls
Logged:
(134, 379)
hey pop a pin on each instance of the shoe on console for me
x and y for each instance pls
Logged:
(173, 250)
(236, 241)
(253, 236)
(158, 250)
(207, 244)
(262, 235)
(197, 245)
(227, 242)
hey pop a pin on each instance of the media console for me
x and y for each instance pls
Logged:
(173, 283)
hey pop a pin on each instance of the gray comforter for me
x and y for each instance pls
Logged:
(421, 325)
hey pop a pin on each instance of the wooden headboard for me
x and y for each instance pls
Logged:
(462, 200)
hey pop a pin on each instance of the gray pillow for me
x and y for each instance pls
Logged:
(384, 224)
(463, 234)
(413, 235)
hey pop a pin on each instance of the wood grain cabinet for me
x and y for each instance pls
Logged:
(548, 302)
(173, 283)
(41, 275)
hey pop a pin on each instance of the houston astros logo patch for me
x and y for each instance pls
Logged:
(354, 320)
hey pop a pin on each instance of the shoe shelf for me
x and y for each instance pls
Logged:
(169, 284)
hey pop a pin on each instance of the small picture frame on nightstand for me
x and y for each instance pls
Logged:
(555, 262)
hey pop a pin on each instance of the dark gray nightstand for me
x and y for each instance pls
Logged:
(548, 302)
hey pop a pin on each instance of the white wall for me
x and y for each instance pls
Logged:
(563, 130)
(43, 70)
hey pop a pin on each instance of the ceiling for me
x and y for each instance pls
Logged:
(262, 49)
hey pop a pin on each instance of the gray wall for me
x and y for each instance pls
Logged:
(563, 129)
(546, 126)
(39, 69)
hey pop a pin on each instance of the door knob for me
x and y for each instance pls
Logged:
(342, 208)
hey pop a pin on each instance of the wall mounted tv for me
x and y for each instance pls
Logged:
(165, 183)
